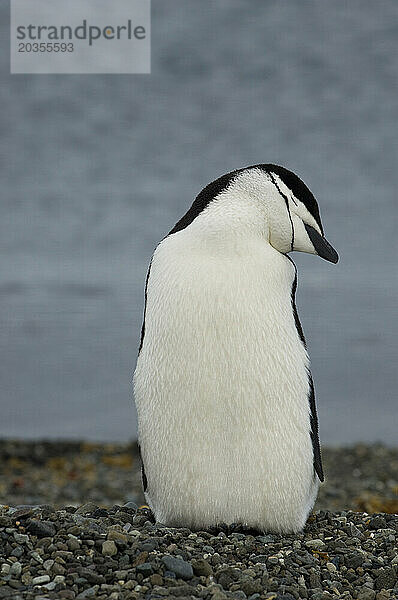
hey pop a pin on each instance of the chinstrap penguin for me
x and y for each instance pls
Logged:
(227, 422)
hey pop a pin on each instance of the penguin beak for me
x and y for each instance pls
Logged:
(321, 245)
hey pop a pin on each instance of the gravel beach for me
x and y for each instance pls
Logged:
(70, 527)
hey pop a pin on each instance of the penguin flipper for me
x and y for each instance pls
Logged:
(314, 431)
(145, 302)
(143, 475)
(311, 394)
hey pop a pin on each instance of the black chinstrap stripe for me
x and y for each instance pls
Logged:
(297, 187)
(288, 209)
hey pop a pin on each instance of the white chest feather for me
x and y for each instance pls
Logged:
(221, 388)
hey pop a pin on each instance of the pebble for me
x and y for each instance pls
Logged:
(261, 558)
(40, 579)
(331, 567)
(36, 557)
(315, 544)
(202, 568)
(41, 528)
(377, 522)
(145, 569)
(50, 586)
(218, 595)
(21, 538)
(178, 566)
(86, 509)
(73, 543)
(387, 579)
(17, 552)
(115, 535)
(109, 548)
(88, 593)
(366, 594)
(47, 564)
(26, 578)
(15, 570)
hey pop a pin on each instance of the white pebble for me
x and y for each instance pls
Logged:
(37, 557)
(316, 544)
(40, 579)
(331, 567)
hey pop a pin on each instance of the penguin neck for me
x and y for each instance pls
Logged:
(231, 220)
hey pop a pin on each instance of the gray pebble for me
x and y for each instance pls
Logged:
(266, 539)
(73, 543)
(239, 595)
(41, 528)
(15, 570)
(354, 559)
(178, 566)
(145, 569)
(17, 552)
(50, 586)
(21, 538)
(88, 593)
(366, 594)
(260, 558)
(109, 548)
(387, 579)
(91, 576)
(169, 574)
(86, 509)
(202, 568)
(218, 595)
(149, 546)
(227, 576)
(377, 522)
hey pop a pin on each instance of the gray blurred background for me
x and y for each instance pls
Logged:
(96, 169)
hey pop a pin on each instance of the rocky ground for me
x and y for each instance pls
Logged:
(70, 528)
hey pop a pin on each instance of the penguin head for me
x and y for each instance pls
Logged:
(272, 198)
(304, 232)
